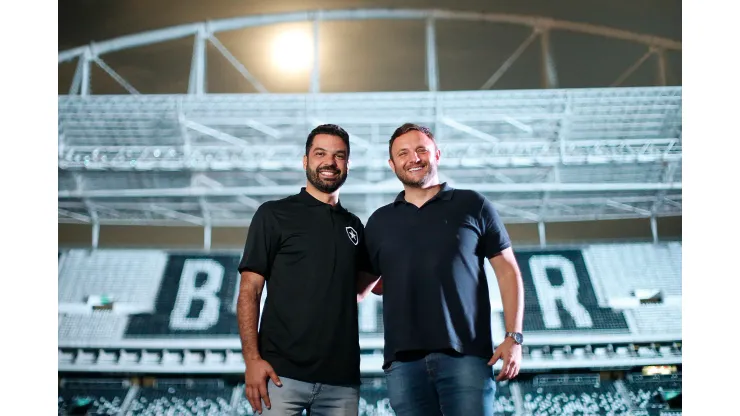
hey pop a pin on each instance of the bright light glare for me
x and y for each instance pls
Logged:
(293, 51)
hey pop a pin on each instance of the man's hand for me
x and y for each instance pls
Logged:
(511, 353)
(258, 371)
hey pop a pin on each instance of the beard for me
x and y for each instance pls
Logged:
(323, 185)
(403, 175)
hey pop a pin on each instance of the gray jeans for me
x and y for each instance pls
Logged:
(318, 399)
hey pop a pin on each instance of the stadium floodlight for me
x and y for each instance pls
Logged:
(292, 51)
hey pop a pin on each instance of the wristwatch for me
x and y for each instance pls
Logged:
(517, 336)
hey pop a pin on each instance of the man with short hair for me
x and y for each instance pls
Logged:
(311, 253)
(429, 247)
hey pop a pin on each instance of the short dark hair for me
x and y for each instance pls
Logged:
(330, 129)
(405, 128)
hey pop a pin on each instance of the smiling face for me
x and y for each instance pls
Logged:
(414, 159)
(326, 163)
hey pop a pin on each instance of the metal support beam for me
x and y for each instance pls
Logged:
(60, 142)
(541, 232)
(569, 203)
(672, 203)
(113, 74)
(176, 215)
(654, 228)
(467, 129)
(181, 120)
(93, 214)
(263, 128)
(176, 32)
(564, 130)
(264, 180)
(85, 78)
(108, 211)
(501, 177)
(236, 64)
(74, 89)
(216, 134)
(552, 176)
(95, 233)
(247, 201)
(632, 68)
(73, 215)
(378, 188)
(625, 207)
(516, 211)
(205, 212)
(197, 82)
(668, 172)
(316, 71)
(207, 237)
(518, 124)
(438, 113)
(662, 78)
(202, 179)
(509, 61)
(432, 76)
(549, 73)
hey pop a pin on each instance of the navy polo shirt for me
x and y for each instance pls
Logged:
(431, 259)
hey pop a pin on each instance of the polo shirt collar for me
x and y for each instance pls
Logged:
(309, 200)
(445, 193)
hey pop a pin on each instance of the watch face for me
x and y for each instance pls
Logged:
(518, 338)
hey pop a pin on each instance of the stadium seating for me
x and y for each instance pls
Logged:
(100, 326)
(575, 394)
(569, 395)
(202, 397)
(505, 404)
(95, 396)
(651, 319)
(649, 394)
(159, 297)
(129, 276)
(622, 268)
(374, 397)
(157, 294)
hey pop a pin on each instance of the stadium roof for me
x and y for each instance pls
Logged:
(542, 155)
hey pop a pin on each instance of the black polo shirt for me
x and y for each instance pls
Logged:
(309, 253)
(431, 259)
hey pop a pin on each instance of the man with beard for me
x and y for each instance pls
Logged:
(429, 247)
(311, 253)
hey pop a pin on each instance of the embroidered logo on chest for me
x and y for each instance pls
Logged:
(352, 234)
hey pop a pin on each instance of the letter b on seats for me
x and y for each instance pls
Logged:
(207, 292)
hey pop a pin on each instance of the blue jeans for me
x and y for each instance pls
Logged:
(318, 399)
(441, 384)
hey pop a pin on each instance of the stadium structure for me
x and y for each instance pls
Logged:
(152, 330)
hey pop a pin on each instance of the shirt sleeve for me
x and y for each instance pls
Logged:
(371, 246)
(363, 257)
(261, 245)
(495, 238)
